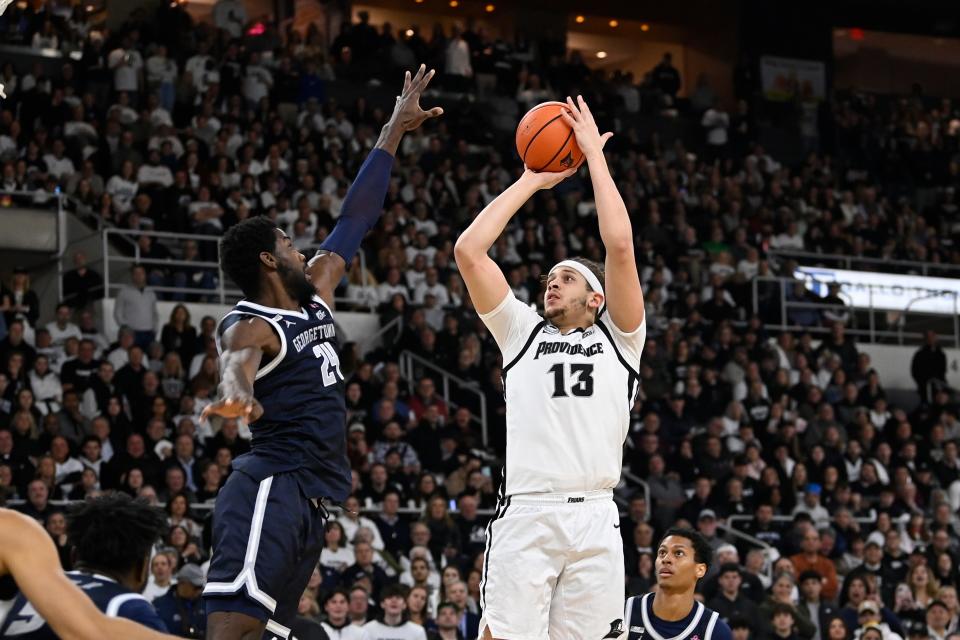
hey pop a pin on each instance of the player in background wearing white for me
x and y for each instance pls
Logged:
(683, 558)
(27, 555)
(554, 556)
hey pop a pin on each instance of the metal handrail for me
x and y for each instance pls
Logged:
(370, 340)
(637, 480)
(770, 553)
(872, 333)
(406, 362)
(849, 261)
(221, 292)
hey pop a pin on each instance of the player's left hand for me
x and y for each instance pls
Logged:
(239, 407)
(546, 179)
(407, 113)
(584, 127)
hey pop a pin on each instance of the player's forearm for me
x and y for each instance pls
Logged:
(123, 628)
(616, 232)
(237, 374)
(390, 137)
(490, 223)
(363, 203)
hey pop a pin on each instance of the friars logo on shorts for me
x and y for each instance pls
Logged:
(616, 629)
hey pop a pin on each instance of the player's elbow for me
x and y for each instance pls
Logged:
(464, 254)
(621, 249)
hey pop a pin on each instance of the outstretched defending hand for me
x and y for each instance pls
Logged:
(240, 407)
(584, 127)
(407, 113)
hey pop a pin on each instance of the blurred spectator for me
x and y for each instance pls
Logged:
(136, 307)
(929, 364)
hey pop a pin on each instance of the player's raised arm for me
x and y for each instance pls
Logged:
(243, 344)
(624, 295)
(363, 203)
(27, 553)
(485, 282)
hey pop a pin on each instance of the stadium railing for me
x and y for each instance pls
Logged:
(876, 318)
(411, 368)
(860, 263)
(128, 253)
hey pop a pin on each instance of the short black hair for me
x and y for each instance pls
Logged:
(809, 574)
(740, 622)
(240, 250)
(702, 551)
(393, 591)
(446, 604)
(92, 529)
(339, 591)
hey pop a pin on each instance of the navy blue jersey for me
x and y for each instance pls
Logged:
(303, 427)
(23, 621)
(702, 623)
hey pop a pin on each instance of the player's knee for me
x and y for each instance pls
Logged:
(229, 625)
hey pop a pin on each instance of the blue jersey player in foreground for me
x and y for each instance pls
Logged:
(672, 613)
(111, 536)
(280, 370)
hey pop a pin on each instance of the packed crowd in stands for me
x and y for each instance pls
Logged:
(787, 436)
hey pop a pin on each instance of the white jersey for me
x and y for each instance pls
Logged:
(376, 630)
(568, 399)
(348, 632)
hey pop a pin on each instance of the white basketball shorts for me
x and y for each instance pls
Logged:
(553, 568)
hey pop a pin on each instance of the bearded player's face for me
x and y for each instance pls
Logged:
(291, 267)
(566, 295)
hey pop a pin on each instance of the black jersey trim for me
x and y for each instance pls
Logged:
(501, 512)
(623, 361)
(633, 380)
(533, 334)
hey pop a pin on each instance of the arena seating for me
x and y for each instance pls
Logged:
(759, 421)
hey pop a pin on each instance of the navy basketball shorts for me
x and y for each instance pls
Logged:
(267, 539)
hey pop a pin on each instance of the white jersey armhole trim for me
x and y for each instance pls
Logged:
(711, 625)
(628, 614)
(276, 327)
(322, 302)
(302, 314)
(113, 608)
(683, 634)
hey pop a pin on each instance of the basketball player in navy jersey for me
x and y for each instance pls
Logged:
(101, 598)
(112, 560)
(672, 613)
(281, 371)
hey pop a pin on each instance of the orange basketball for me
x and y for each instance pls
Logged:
(545, 142)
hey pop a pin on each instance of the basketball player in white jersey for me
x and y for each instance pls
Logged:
(554, 555)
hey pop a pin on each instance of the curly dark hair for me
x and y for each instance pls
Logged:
(240, 250)
(92, 529)
(702, 551)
